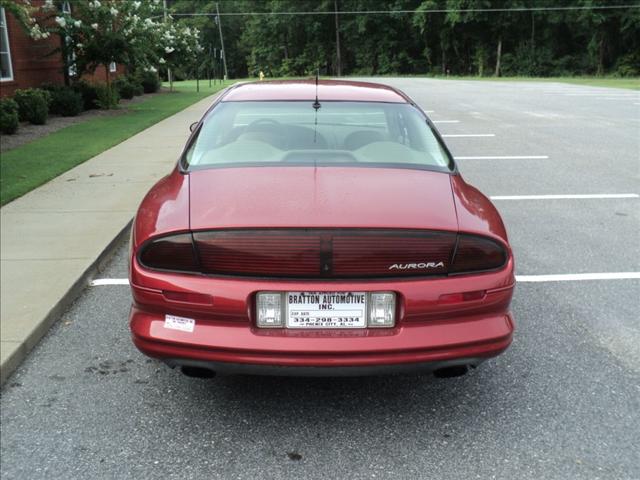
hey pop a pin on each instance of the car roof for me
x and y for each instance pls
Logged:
(328, 90)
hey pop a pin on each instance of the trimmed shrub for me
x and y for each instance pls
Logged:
(33, 105)
(150, 82)
(66, 102)
(8, 116)
(137, 86)
(125, 87)
(49, 88)
(47, 96)
(89, 93)
(108, 97)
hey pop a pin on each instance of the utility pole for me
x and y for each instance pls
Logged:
(222, 52)
(215, 64)
(164, 4)
(338, 61)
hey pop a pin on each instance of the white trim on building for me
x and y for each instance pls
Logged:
(6, 69)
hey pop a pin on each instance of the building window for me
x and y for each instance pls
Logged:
(112, 67)
(6, 70)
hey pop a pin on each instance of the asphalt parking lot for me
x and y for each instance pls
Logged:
(563, 402)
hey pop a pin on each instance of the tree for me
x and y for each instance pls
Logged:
(99, 32)
(24, 13)
(179, 46)
(430, 36)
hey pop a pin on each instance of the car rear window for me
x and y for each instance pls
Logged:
(294, 132)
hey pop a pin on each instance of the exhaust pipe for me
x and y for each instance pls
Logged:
(450, 372)
(197, 372)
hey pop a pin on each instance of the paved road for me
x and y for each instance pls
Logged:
(563, 402)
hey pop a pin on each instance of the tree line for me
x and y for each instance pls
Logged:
(463, 38)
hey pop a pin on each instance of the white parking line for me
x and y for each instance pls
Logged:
(429, 111)
(563, 277)
(612, 98)
(565, 197)
(506, 157)
(603, 94)
(571, 277)
(108, 281)
(446, 121)
(461, 135)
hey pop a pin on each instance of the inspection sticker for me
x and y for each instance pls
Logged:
(179, 323)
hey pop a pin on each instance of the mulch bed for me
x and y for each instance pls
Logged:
(28, 133)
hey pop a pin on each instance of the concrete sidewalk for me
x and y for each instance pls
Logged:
(54, 238)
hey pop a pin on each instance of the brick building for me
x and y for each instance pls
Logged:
(27, 63)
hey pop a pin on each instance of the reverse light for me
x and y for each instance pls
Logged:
(382, 310)
(269, 310)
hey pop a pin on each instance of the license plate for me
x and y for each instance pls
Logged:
(326, 310)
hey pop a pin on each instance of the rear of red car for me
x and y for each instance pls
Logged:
(319, 270)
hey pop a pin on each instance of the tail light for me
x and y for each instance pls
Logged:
(314, 253)
(175, 252)
(318, 253)
(476, 254)
(392, 254)
(260, 253)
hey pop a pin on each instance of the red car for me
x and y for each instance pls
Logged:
(318, 228)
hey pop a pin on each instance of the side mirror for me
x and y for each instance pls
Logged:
(193, 126)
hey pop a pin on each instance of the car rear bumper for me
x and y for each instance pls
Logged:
(239, 348)
(302, 371)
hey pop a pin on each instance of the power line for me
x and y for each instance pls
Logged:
(434, 10)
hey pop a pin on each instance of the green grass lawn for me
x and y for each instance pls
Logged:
(29, 166)
(612, 82)
(632, 83)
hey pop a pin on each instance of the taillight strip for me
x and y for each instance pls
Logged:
(324, 253)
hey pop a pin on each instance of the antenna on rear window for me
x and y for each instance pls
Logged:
(316, 105)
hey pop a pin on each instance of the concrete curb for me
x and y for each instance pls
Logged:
(15, 360)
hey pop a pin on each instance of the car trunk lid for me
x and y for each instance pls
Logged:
(321, 197)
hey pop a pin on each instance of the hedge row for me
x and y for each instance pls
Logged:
(34, 105)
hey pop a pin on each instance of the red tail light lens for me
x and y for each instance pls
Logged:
(392, 254)
(170, 253)
(326, 253)
(259, 253)
(475, 254)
